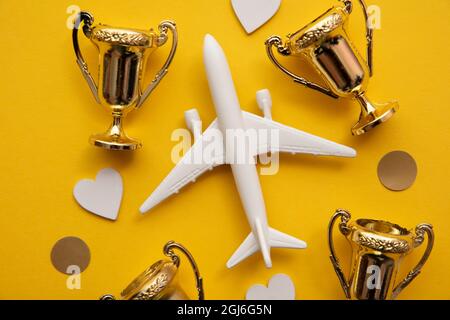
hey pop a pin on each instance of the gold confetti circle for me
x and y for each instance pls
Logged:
(70, 254)
(397, 170)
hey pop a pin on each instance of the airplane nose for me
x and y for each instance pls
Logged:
(208, 40)
(208, 36)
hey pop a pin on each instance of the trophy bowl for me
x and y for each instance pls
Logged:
(123, 57)
(160, 280)
(324, 43)
(378, 249)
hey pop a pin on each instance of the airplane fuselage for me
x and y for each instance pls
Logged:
(229, 116)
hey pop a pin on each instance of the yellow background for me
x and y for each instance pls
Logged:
(48, 114)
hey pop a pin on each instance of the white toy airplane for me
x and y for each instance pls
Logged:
(230, 116)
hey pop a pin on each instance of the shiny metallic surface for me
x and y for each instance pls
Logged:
(120, 79)
(160, 281)
(338, 61)
(325, 44)
(378, 248)
(386, 267)
(123, 57)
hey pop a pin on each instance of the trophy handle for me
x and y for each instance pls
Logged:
(168, 251)
(345, 217)
(163, 28)
(276, 41)
(87, 19)
(418, 240)
(369, 31)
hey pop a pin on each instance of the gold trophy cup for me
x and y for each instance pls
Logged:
(378, 249)
(123, 55)
(159, 281)
(324, 43)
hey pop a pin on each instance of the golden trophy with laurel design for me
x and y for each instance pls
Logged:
(378, 248)
(123, 56)
(325, 44)
(159, 281)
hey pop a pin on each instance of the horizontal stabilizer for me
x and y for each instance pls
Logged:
(279, 239)
(250, 245)
(246, 249)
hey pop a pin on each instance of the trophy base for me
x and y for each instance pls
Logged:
(114, 142)
(369, 120)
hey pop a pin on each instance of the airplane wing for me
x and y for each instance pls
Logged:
(193, 164)
(198, 160)
(293, 140)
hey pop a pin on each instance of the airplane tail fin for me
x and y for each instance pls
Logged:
(263, 245)
(253, 243)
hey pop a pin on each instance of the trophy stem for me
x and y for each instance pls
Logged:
(115, 138)
(366, 106)
(372, 114)
(116, 128)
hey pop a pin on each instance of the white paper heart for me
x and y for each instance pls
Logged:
(280, 287)
(102, 196)
(254, 13)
